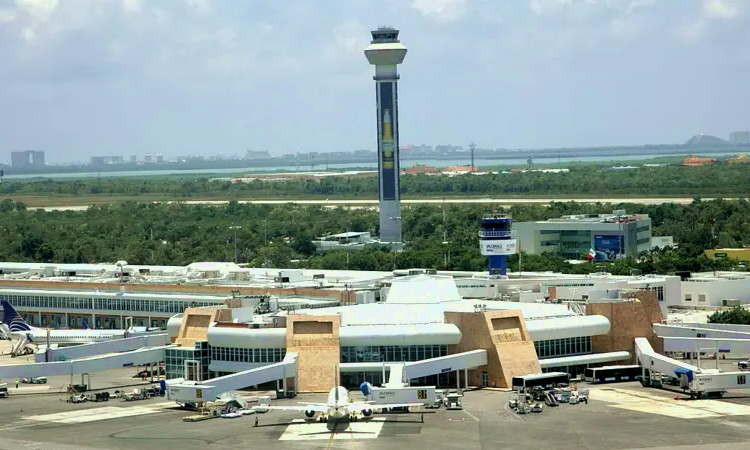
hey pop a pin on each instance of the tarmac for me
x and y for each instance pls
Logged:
(619, 416)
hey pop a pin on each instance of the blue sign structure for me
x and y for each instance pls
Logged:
(611, 245)
(388, 140)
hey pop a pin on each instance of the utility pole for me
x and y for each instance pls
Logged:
(472, 147)
(235, 228)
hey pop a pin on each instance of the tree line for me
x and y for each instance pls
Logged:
(718, 179)
(280, 236)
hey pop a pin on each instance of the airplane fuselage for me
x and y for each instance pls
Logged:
(338, 404)
(72, 336)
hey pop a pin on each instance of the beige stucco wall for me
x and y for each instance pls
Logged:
(503, 334)
(629, 320)
(195, 324)
(316, 341)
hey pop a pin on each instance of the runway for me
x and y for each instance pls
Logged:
(373, 203)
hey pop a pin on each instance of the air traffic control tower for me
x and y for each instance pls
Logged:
(385, 52)
(497, 240)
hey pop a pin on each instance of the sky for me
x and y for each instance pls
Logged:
(201, 77)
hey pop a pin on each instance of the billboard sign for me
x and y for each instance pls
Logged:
(388, 139)
(611, 245)
(498, 247)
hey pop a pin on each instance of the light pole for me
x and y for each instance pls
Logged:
(446, 244)
(235, 228)
(265, 245)
(395, 243)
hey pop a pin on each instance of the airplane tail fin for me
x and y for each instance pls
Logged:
(336, 380)
(14, 321)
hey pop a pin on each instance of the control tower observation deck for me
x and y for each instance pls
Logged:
(386, 52)
(497, 240)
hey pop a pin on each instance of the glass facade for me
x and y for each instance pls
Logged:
(554, 348)
(175, 360)
(110, 303)
(392, 353)
(248, 355)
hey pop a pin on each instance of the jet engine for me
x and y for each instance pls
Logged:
(309, 413)
(367, 412)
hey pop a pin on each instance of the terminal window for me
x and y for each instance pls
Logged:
(248, 355)
(392, 353)
(553, 348)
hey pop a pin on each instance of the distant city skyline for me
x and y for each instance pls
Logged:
(739, 138)
(201, 77)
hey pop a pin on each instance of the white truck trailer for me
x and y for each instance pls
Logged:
(424, 395)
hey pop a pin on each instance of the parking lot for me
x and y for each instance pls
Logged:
(618, 416)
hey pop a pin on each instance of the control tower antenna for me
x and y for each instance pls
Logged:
(386, 52)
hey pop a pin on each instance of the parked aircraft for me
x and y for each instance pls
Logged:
(14, 327)
(339, 406)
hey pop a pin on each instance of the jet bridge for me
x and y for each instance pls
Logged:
(443, 364)
(96, 364)
(698, 382)
(197, 391)
(100, 348)
(401, 372)
(709, 345)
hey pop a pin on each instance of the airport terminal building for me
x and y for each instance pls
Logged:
(422, 318)
(223, 319)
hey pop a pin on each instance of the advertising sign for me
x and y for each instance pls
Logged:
(499, 247)
(611, 245)
(388, 139)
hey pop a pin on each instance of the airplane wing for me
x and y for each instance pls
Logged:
(358, 407)
(317, 407)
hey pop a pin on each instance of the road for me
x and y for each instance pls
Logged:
(373, 203)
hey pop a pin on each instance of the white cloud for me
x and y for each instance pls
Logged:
(38, 9)
(7, 16)
(693, 28)
(132, 6)
(548, 6)
(28, 34)
(351, 36)
(199, 6)
(441, 10)
(721, 9)
(690, 30)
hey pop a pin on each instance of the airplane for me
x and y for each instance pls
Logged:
(339, 407)
(13, 327)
